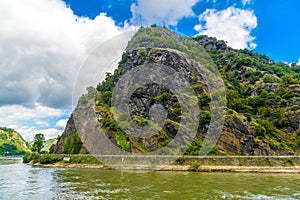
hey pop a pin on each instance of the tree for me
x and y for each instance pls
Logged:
(38, 144)
(73, 145)
(77, 144)
(68, 145)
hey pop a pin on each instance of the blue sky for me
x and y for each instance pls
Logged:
(46, 42)
(277, 32)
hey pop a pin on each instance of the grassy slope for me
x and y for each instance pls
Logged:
(12, 142)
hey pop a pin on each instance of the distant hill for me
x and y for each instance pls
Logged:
(47, 144)
(11, 142)
(263, 97)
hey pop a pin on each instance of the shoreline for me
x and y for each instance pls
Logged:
(178, 168)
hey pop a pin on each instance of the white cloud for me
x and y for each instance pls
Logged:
(162, 12)
(42, 123)
(298, 62)
(233, 25)
(61, 124)
(43, 44)
(245, 2)
(28, 120)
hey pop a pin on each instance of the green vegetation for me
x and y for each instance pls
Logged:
(11, 142)
(50, 159)
(73, 145)
(263, 96)
(49, 145)
(261, 90)
(83, 160)
(38, 143)
(28, 157)
(43, 159)
(194, 166)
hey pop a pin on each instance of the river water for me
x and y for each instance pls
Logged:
(20, 181)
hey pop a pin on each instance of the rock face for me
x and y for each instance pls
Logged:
(238, 138)
(263, 110)
(68, 132)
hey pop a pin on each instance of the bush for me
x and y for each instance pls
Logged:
(48, 159)
(142, 52)
(194, 166)
(84, 160)
(28, 157)
(273, 145)
(73, 145)
(204, 100)
(180, 161)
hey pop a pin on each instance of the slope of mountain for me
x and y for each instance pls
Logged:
(263, 97)
(11, 142)
(47, 144)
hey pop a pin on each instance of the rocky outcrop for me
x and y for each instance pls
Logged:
(68, 132)
(238, 138)
(259, 123)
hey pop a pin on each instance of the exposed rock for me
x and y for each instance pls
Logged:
(69, 131)
(237, 139)
(239, 136)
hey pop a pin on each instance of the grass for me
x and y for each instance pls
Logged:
(50, 159)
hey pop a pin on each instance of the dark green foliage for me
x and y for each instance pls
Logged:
(38, 144)
(9, 149)
(213, 151)
(204, 100)
(205, 118)
(142, 52)
(67, 145)
(106, 97)
(195, 147)
(176, 113)
(83, 160)
(51, 149)
(73, 145)
(77, 144)
(49, 159)
(28, 157)
(43, 159)
(164, 97)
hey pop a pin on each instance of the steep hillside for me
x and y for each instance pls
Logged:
(263, 97)
(47, 144)
(11, 142)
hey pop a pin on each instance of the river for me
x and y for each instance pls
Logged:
(20, 181)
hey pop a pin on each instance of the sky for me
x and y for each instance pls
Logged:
(44, 43)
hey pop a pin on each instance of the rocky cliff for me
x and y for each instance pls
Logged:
(263, 103)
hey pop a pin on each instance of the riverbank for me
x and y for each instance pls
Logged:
(236, 169)
(238, 164)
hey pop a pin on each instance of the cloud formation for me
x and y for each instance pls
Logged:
(166, 12)
(245, 2)
(30, 121)
(61, 124)
(43, 44)
(233, 25)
